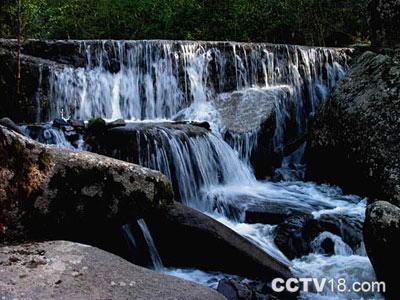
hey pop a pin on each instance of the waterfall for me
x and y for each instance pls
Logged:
(38, 94)
(142, 248)
(47, 134)
(157, 79)
(194, 159)
(234, 86)
(155, 257)
(239, 89)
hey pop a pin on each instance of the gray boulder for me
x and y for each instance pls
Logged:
(355, 140)
(52, 193)
(9, 124)
(384, 22)
(381, 234)
(188, 238)
(65, 270)
(251, 114)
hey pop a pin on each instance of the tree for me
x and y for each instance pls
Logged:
(310, 22)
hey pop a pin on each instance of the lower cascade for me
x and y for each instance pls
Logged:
(207, 117)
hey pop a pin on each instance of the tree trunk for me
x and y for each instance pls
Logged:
(19, 38)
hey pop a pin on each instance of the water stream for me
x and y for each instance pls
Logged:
(162, 80)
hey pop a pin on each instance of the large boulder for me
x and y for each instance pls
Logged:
(53, 193)
(381, 233)
(65, 270)
(355, 141)
(249, 119)
(188, 238)
(384, 22)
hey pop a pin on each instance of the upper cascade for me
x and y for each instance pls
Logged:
(149, 80)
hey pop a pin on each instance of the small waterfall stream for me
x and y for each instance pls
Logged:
(165, 81)
(155, 257)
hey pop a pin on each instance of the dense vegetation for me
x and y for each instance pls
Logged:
(312, 22)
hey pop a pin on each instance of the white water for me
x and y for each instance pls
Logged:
(167, 80)
(46, 134)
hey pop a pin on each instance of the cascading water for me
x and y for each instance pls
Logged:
(155, 257)
(220, 83)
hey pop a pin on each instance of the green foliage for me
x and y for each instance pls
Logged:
(312, 22)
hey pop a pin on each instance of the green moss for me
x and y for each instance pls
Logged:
(17, 149)
(44, 161)
(96, 121)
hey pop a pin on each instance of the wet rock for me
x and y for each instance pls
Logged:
(384, 22)
(68, 129)
(234, 290)
(204, 125)
(25, 107)
(59, 123)
(355, 141)
(244, 111)
(97, 125)
(48, 193)
(291, 239)
(60, 51)
(295, 235)
(272, 212)
(381, 233)
(249, 116)
(328, 246)
(71, 135)
(77, 124)
(187, 238)
(76, 271)
(116, 123)
(113, 66)
(8, 123)
(349, 228)
(95, 130)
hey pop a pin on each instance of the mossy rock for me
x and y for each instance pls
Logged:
(50, 193)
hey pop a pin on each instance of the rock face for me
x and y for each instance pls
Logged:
(65, 270)
(381, 233)
(9, 124)
(355, 141)
(249, 117)
(49, 193)
(33, 89)
(233, 290)
(295, 235)
(273, 212)
(186, 237)
(384, 22)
